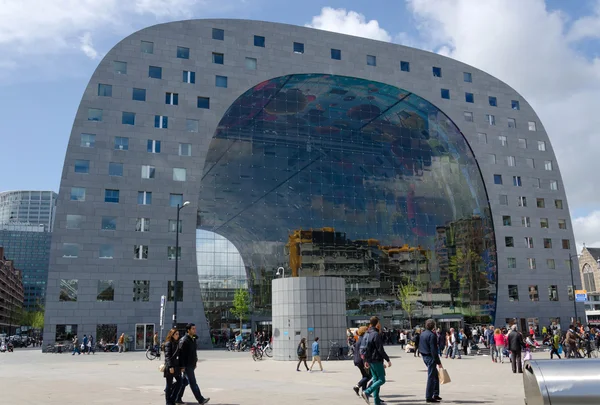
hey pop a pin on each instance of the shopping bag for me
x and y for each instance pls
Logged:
(560, 349)
(444, 376)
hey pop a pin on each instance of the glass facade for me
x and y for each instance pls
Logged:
(337, 176)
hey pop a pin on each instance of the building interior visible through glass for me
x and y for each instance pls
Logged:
(338, 176)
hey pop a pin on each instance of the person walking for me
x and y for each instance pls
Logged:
(188, 360)
(402, 339)
(373, 356)
(571, 342)
(172, 370)
(121, 343)
(448, 344)
(416, 339)
(316, 354)
(491, 343)
(84, 344)
(76, 346)
(455, 343)
(301, 354)
(429, 351)
(441, 339)
(515, 345)
(499, 344)
(359, 362)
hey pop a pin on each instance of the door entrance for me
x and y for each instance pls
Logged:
(144, 335)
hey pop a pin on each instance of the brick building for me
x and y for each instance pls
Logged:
(11, 294)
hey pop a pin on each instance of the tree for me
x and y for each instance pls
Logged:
(406, 296)
(241, 305)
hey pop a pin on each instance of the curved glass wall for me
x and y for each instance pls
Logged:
(340, 176)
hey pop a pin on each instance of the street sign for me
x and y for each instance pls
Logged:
(580, 295)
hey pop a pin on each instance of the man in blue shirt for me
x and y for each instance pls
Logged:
(428, 347)
(316, 354)
(374, 355)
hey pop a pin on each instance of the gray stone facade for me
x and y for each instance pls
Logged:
(275, 59)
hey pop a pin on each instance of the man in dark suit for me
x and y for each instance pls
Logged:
(428, 347)
(515, 345)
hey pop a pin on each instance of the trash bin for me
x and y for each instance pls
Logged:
(562, 382)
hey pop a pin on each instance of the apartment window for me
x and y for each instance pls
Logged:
(104, 90)
(514, 104)
(111, 196)
(191, 125)
(106, 291)
(218, 58)
(172, 98)
(535, 182)
(251, 63)
(531, 125)
(175, 200)
(517, 181)
(544, 223)
(171, 291)
(542, 146)
(336, 54)
(142, 225)
(548, 165)
(94, 114)
(203, 102)
(512, 123)
(509, 241)
(87, 140)
(140, 252)
(160, 121)
(404, 66)
(468, 116)
(506, 220)
(120, 67)
(553, 293)
(491, 119)
(179, 174)
(493, 101)
(550, 263)
(522, 143)
(77, 194)
(469, 98)
(171, 252)
(141, 290)
(148, 172)
(185, 149)
(74, 221)
(529, 242)
(218, 34)
(510, 161)
(531, 263)
(128, 118)
(153, 146)
(70, 250)
(511, 262)
(437, 71)
(106, 252)
(558, 204)
(121, 143)
(530, 163)
(562, 224)
(173, 225)
(183, 52)
(371, 60)
(445, 93)
(259, 41)
(298, 47)
(547, 243)
(144, 197)
(553, 185)
(513, 293)
(82, 166)
(221, 81)
(147, 47)
(115, 169)
(503, 140)
(108, 223)
(533, 293)
(482, 138)
(540, 202)
(526, 222)
(138, 94)
(491, 158)
(155, 72)
(570, 293)
(68, 293)
(189, 77)
(497, 179)
(566, 244)
(467, 77)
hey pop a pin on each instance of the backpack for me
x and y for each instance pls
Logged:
(301, 350)
(367, 347)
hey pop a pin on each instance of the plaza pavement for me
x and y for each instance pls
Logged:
(29, 377)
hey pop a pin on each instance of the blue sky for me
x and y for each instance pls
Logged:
(51, 47)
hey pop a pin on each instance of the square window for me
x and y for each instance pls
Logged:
(481, 137)
(531, 263)
(148, 172)
(491, 158)
(82, 166)
(509, 241)
(469, 98)
(142, 225)
(526, 222)
(512, 123)
(553, 185)
(183, 52)
(547, 243)
(511, 262)
(514, 104)
(541, 203)
(121, 143)
(147, 47)
(513, 293)
(371, 60)
(542, 146)
(115, 169)
(203, 102)
(445, 94)
(298, 47)
(503, 199)
(497, 179)
(185, 149)
(218, 58)
(138, 94)
(179, 174)
(141, 291)
(491, 119)
(140, 252)
(160, 121)
(259, 41)
(550, 263)
(87, 140)
(144, 198)
(506, 220)
(70, 250)
(522, 143)
(68, 293)
(171, 252)
(175, 200)
(171, 290)
(510, 161)
(533, 293)
(336, 54)
(74, 221)
(517, 181)
(558, 204)
(104, 90)
(566, 244)
(544, 223)
(94, 114)
(172, 98)
(503, 140)
(493, 101)
(106, 288)
(108, 224)
(251, 63)
(548, 165)
(405, 66)
(467, 77)
(155, 72)
(189, 77)
(128, 118)
(120, 67)
(173, 225)
(468, 116)
(221, 81)
(437, 71)
(111, 196)
(218, 34)
(530, 163)
(562, 224)
(106, 252)
(531, 125)
(191, 125)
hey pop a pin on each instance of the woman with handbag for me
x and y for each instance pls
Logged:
(301, 351)
(171, 367)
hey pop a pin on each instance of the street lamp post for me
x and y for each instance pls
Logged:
(571, 256)
(280, 272)
(175, 289)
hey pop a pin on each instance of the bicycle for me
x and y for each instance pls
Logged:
(267, 349)
(152, 353)
(256, 352)
(335, 351)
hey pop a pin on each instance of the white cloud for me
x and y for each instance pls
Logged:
(87, 46)
(349, 22)
(587, 230)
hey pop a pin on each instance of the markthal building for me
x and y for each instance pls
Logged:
(301, 153)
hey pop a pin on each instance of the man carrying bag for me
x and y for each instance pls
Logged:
(428, 347)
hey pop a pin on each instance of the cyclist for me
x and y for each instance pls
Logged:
(238, 341)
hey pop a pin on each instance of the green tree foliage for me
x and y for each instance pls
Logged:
(406, 296)
(241, 304)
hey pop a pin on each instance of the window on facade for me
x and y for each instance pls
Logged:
(218, 58)
(108, 223)
(175, 200)
(531, 125)
(138, 94)
(497, 179)
(171, 253)
(544, 223)
(87, 140)
(221, 81)
(203, 102)
(153, 146)
(542, 146)
(468, 116)
(517, 181)
(173, 225)
(469, 98)
(558, 204)
(172, 98)
(106, 252)
(106, 291)
(128, 118)
(540, 202)
(148, 172)
(191, 125)
(511, 262)
(104, 90)
(115, 169)
(493, 101)
(189, 77)
(160, 121)
(482, 138)
(491, 158)
(570, 293)
(522, 201)
(336, 54)
(298, 47)
(553, 185)
(547, 243)
(404, 66)
(514, 104)
(535, 182)
(550, 263)
(491, 119)
(510, 161)
(509, 241)
(179, 174)
(183, 52)
(506, 220)
(82, 166)
(503, 140)
(218, 34)
(68, 293)
(513, 293)
(141, 290)
(533, 293)
(437, 71)
(445, 93)
(548, 165)
(70, 250)
(259, 41)
(185, 149)
(553, 293)
(144, 197)
(512, 123)
(147, 47)
(94, 114)
(77, 194)
(562, 224)
(531, 263)
(529, 242)
(155, 72)
(171, 291)
(251, 63)
(121, 143)
(566, 244)
(142, 225)
(589, 283)
(140, 252)
(120, 67)
(467, 77)
(526, 222)
(530, 163)
(74, 221)
(371, 60)
(111, 196)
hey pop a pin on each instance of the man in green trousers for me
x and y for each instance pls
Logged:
(374, 355)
